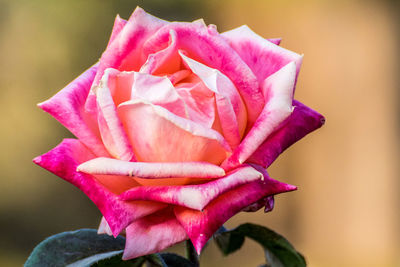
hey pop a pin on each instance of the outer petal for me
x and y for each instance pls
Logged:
(279, 94)
(303, 121)
(151, 170)
(67, 107)
(276, 41)
(152, 234)
(262, 56)
(111, 129)
(63, 161)
(124, 53)
(231, 109)
(194, 196)
(119, 24)
(158, 135)
(201, 225)
(208, 47)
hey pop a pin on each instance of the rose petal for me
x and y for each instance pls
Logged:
(208, 47)
(151, 170)
(201, 225)
(63, 161)
(124, 53)
(200, 103)
(158, 91)
(262, 56)
(278, 90)
(301, 122)
(104, 228)
(158, 135)
(267, 202)
(276, 41)
(67, 107)
(231, 109)
(152, 234)
(194, 196)
(111, 129)
(165, 61)
(119, 24)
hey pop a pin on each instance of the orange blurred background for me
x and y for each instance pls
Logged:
(346, 211)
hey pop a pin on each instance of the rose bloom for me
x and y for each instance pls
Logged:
(175, 126)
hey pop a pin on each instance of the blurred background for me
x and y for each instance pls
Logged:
(346, 211)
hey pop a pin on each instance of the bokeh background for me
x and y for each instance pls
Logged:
(346, 211)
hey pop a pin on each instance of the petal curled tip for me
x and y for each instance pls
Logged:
(37, 160)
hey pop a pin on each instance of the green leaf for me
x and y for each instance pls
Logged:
(113, 258)
(228, 241)
(69, 247)
(155, 260)
(174, 260)
(278, 251)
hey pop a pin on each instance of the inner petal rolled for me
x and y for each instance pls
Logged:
(157, 135)
(231, 109)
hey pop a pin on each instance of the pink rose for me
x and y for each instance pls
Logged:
(175, 127)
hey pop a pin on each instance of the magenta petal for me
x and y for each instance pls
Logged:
(276, 41)
(119, 24)
(111, 129)
(194, 196)
(278, 91)
(124, 53)
(262, 56)
(301, 122)
(63, 161)
(201, 225)
(151, 170)
(67, 107)
(208, 47)
(152, 234)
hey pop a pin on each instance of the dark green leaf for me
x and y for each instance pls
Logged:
(113, 258)
(155, 260)
(228, 241)
(174, 260)
(279, 252)
(69, 247)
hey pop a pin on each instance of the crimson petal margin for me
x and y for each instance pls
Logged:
(67, 107)
(153, 233)
(194, 196)
(63, 161)
(201, 225)
(151, 170)
(301, 122)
